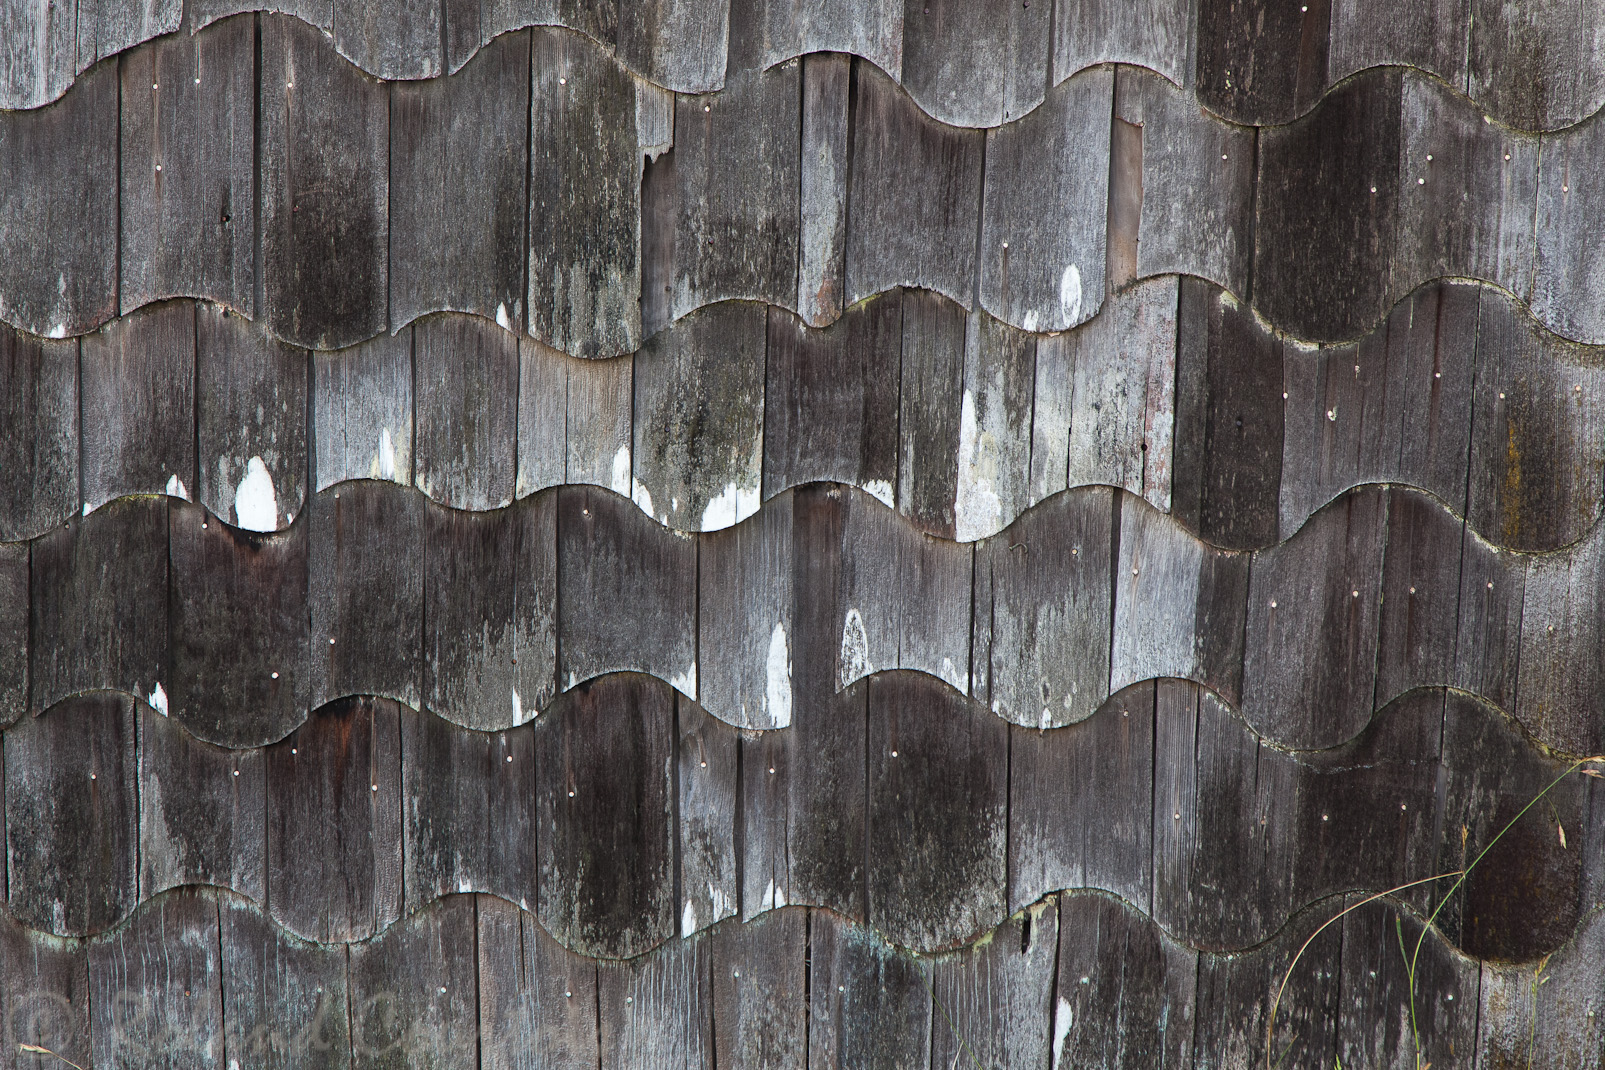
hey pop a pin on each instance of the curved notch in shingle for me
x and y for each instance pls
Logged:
(574, 420)
(534, 994)
(746, 625)
(465, 374)
(413, 990)
(39, 439)
(362, 412)
(976, 64)
(1235, 39)
(1157, 34)
(281, 995)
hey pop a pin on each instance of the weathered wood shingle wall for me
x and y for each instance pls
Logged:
(785, 533)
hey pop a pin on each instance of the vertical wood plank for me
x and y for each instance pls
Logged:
(656, 1013)
(284, 999)
(873, 30)
(994, 447)
(930, 407)
(1421, 572)
(413, 992)
(1488, 636)
(465, 374)
(746, 629)
(14, 561)
(868, 1004)
(1559, 698)
(760, 1007)
(362, 412)
(38, 63)
(822, 234)
(994, 997)
(976, 65)
(392, 39)
(1231, 36)
(679, 44)
(38, 433)
(537, 1000)
(574, 419)
(105, 29)
(44, 986)
(706, 775)
(1157, 34)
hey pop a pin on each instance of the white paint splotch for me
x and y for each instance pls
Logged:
(158, 699)
(176, 488)
(384, 461)
(686, 682)
(729, 507)
(977, 507)
(1062, 1017)
(620, 479)
(256, 504)
(777, 688)
(1070, 296)
(881, 489)
(854, 663)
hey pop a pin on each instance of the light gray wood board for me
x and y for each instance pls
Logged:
(98, 600)
(414, 994)
(1197, 182)
(537, 1000)
(831, 399)
(138, 405)
(1375, 33)
(459, 163)
(318, 13)
(679, 44)
(365, 592)
(251, 422)
(202, 811)
(324, 188)
(745, 625)
(873, 30)
(698, 458)
(994, 442)
(574, 419)
(657, 1013)
(1180, 605)
(996, 995)
(584, 200)
(1104, 407)
(1157, 34)
(868, 1004)
(976, 64)
(39, 441)
(106, 28)
(284, 999)
(490, 613)
(465, 374)
(156, 988)
(1528, 67)
(1081, 803)
(1559, 695)
(1042, 612)
(822, 230)
(37, 62)
(468, 811)
(362, 412)
(68, 285)
(1395, 407)
(238, 669)
(188, 167)
(392, 39)
(334, 824)
(929, 408)
(1044, 208)
(706, 778)
(914, 195)
(72, 816)
(760, 982)
(905, 598)
(609, 555)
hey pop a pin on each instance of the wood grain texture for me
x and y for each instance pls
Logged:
(1157, 34)
(1232, 35)
(465, 373)
(975, 65)
(699, 419)
(929, 409)
(679, 44)
(706, 778)
(1488, 635)
(414, 994)
(334, 825)
(38, 433)
(1044, 209)
(873, 30)
(187, 167)
(45, 984)
(324, 176)
(284, 999)
(37, 62)
(537, 1001)
(105, 29)
(745, 623)
(68, 285)
(760, 1009)
(1421, 579)
(137, 402)
(584, 200)
(459, 162)
(822, 231)
(996, 995)
(1559, 694)
(251, 422)
(392, 39)
(239, 673)
(657, 1012)
(994, 441)
(868, 1005)
(574, 420)
(201, 811)
(604, 795)
(365, 593)
(1515, 61)
(99, 604)
(72, 816)
(362, 412)
(14, 561)
(914, 196)
(1042, 609)
(609, 555)
(1375, 33)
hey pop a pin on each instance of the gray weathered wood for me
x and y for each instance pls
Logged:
(334, 827)
(392, 39)
(760, 1009)
(156, 988)
(1488, 636)
(746, 629)
(106, 28)
(362, 412)
(188, 166)
(1381, 33)
(1157, 34)
(38, 433)
(1420, 595)
(1314, 609)
(1396, 407)
(1081, 804)
(1197, 183)
(1180, 605)
(868, 1005)
(490, 610)
(239, 670)
(465, 372)
(37, 58)
(604, 796)
(251, 417)
(679, 44)
(706, 760)
(284, 999)
(202, 812)
(1231, 41)
(138, 406)
(574, 420)
(976, 64)
(873, 30)
(610, 556)
(699, 419)
(13, 631)
(929, 410)
(831, 399)
(994, 446)
(365, 592)
(914, 196)
(1042, 606)
(98, 595)
(44, 982)
(1535, 68)
(1045, 202)
(67, 285)
(1547, 1014)
(72, 816)
(459, 164)
(584, 200)
(656, 1013)
(324, 142)
(1229, 422)
(822, 231)
(1560, 695)
(468, 804)
(996, 995)
(938, 805)
(413, 992)
(317, 13)
(537, 1001)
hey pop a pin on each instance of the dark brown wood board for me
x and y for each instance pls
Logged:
(362, 418)
(465, 380)
(414, 993)
(38, 433)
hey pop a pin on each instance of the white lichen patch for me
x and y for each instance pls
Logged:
(1070, 296)
(384, 461)
(854, 662)
(773, 898)
(256, 505)
(777, 688)
(643, 500)
(722, 907)
(1062, 1017)
(952, 674)
(688, 919)
(686, 682)
(881, 489)
(518, 709)
(729, 507)
(158, 699)
(176, 488)
(977, 509)
(620, 483)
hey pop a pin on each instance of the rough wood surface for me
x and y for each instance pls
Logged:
(37, 63)
(14, 604)
(334, 822)
(868, 1005)
(362, 412)
(1516, 61)
(392, 39)
(45, 984)
(465, 374)
(679, 44)
(994, 446)
(706, 776)
(976, 65)
(38, 433)
(1232, 35)
(745, 624)
(1560, 693)
(760, 982)
(284, 999)
(1157, 34)
(105, 29)
(929, 409)
(1488, 635)
(1421, 578)
(873, 30)
(413, 992)
(1374, 33)
(995, 996)
(822, 231)
(574, 420)
(657, 1013)
(537, 1001)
